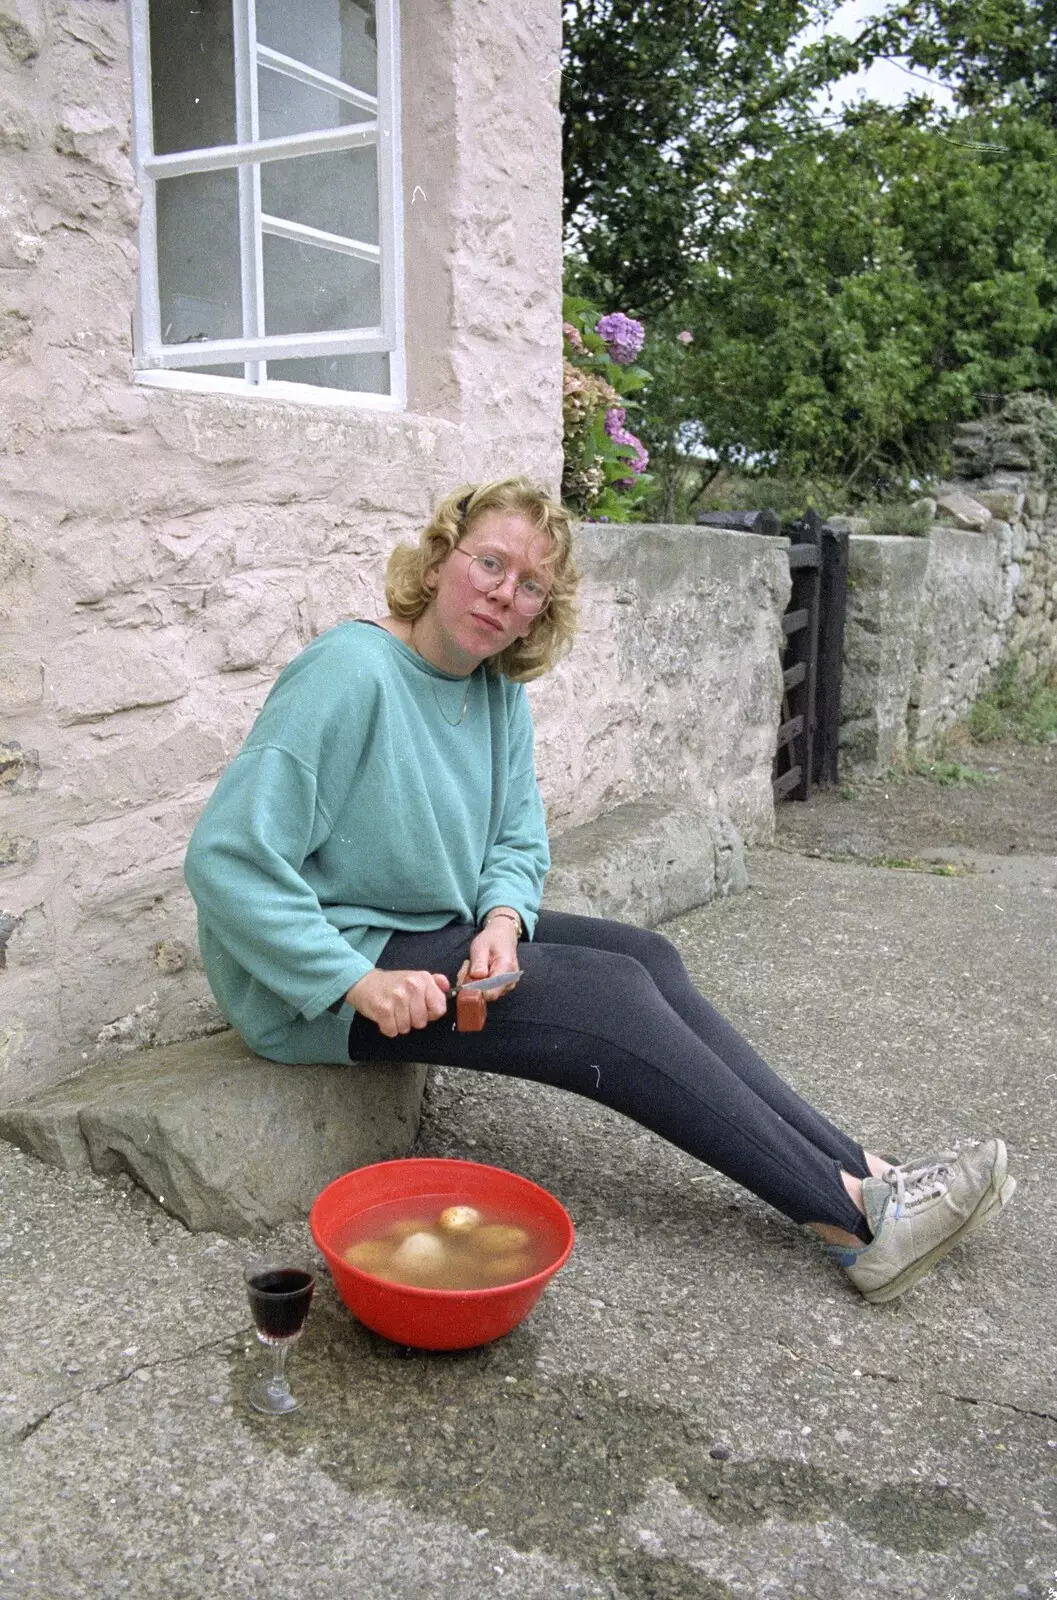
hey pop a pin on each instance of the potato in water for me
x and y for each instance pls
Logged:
(406, 1226)
(500, 1238)
(421, 1257)
(437, 1242)
(459, 1219)
(370, 1255)
(506, 1269)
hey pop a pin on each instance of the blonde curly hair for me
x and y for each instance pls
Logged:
(407, 593)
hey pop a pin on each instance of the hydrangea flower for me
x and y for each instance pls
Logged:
(572, 333)
(686, 337)
(623, 337)
(584, 392)
(620, 435)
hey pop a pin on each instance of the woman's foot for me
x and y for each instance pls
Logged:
(919, 1211)
(950, 1158)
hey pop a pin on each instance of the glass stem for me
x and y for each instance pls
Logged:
(277, 1381)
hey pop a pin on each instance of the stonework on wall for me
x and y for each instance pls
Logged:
(1008, 463)
(674, 685)
(930, 619)
(1032, 636)
(164, 553)
(885, 579)
(966, 603)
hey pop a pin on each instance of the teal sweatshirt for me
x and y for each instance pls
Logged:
(359, 804)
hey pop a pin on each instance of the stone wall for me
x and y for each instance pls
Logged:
(885, 583)
(966, 604)
(929, 619)
(163, 553)
(674, 686)
(1032, 634)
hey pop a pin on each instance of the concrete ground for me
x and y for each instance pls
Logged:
(698, 1406)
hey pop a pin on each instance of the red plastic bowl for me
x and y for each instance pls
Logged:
(437, 1319)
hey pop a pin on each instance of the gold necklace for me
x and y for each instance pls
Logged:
(433, 683)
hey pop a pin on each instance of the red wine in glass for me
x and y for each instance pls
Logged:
(279, 1300)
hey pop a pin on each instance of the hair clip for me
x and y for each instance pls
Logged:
(463, 506)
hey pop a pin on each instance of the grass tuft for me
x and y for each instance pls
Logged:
(906, 520)
(937, 869)
(947, 774)
(1017, 707)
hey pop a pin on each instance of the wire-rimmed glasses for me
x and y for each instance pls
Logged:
(487, 572)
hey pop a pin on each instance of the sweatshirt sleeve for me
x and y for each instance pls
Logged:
(244, 870)
(516, 863)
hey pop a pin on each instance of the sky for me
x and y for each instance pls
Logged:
(885, 81)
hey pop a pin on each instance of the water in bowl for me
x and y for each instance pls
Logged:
(442, 1241)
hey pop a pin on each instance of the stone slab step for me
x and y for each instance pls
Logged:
(646, 861)
(231, 1143)
(221, 1138)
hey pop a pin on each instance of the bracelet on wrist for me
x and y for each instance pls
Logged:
(509, 916)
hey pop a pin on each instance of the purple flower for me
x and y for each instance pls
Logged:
(623, 337)
(620, 435)
(686, 337)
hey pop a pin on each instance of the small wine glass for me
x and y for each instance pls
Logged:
(279, 1300)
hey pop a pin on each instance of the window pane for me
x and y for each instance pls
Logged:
(335, 193)
(364, 374)
(287, 106)
(198, 257)
(192, 74)
(309, 290)
(337, 37)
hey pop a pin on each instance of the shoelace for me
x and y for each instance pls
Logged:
(912, 1185)
(941, 1165)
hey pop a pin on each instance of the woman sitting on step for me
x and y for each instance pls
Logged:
(380, 839)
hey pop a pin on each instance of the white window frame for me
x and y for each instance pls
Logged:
(171, 365)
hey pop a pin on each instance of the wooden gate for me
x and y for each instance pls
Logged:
(813, 646)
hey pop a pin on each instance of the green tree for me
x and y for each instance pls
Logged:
(989, 51)
(871, 281)
(660, 98)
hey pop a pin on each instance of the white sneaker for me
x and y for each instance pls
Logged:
(919, 1211)
(941, 1163)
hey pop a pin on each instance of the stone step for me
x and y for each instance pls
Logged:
(646, 861)
(222, 1139)
(228, 1142)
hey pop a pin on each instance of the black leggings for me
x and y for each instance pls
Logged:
(609, 1011)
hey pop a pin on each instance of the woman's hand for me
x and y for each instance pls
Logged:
(493, 950)
(400, 1001)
